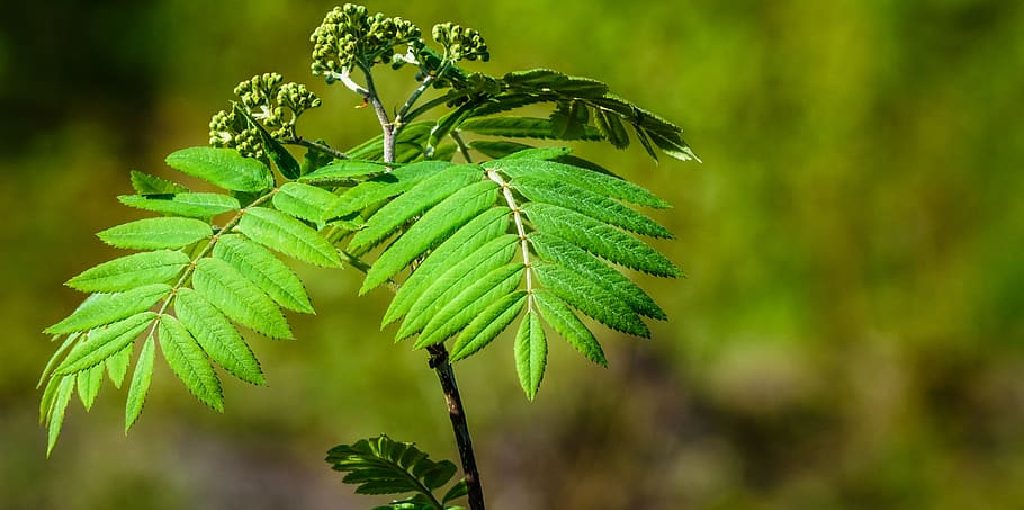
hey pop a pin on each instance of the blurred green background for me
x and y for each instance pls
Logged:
(850, 333)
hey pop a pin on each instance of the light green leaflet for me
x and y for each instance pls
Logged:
(141, 379)
(432, 227)
(561, 318)
(156, 233)
(193, 205)
(232, 293)
(265, 270)
(188, 361)
(215, 334)
(306, 202)
(100, 309)
(423, 196)
(482, 229)
(103, 343)
(531, 353)
(285, 234)
(225, 168)
(130, 271)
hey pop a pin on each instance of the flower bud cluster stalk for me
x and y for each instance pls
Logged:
(349, 37)
(264, 99)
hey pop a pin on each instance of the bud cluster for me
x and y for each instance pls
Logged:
(349, 36)
(461, 43)
(265, 99)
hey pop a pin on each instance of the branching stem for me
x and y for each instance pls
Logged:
(439, 360)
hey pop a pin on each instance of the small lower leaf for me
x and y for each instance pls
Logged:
(140, 384)
(531, 353)
(89, 382)
(56, 414)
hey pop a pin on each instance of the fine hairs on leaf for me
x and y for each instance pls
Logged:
(475, 227)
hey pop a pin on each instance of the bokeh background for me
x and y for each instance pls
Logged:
(850, 333)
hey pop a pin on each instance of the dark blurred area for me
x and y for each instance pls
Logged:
(850, 333)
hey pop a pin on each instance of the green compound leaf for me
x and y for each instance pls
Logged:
(469, 303)
(384, 466)
(591, 298)
(471, 236)
(225, 168)
(218, 338)
(423, 196)
(141, 379)
(146, 184)
(226, 288)
(445, 286)
(102, 343)
(568, 326)
(89, 382)
(265, 270)
(289, 236)
(599, 238)
(343, 172)
(555, 249)
(305, 202)
(385, 186)
(531, 353)
(519, 166)
(488, 325)
(156, 233)
(188, 361)
(193, 205)
(131, 271)
(117, 365)
(598, 207)
(436, 224)
(61, 399)
(100, 309)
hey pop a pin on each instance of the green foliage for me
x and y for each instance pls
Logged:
(533, 234)
(382, 465)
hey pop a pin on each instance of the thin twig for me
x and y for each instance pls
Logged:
(317, 146)
(463, 148)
